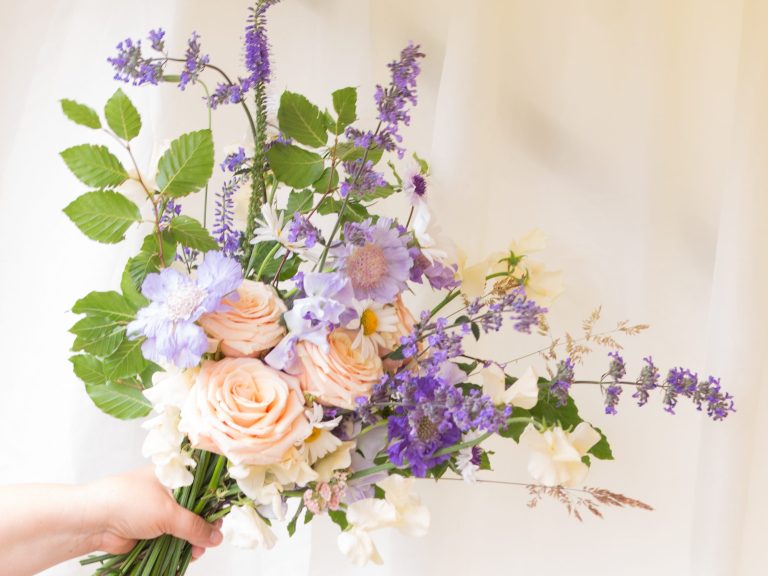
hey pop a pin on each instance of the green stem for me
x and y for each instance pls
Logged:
(208, 106)
(264, 262)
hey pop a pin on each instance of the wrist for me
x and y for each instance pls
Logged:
(92, 515)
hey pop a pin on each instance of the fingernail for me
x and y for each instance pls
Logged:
(216, 538)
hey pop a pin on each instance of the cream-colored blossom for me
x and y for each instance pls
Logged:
(556, 454)
(244, 528)
(358, 546)
(524, 393)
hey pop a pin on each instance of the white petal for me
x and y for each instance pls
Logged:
(339, 459)
(493, 383)
(356, 544)
(244, 528)
(524, 393)
(371, 513)
(584, 437)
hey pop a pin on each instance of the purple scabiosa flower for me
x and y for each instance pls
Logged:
(194, 62)
(376, 260)
(176, 302)
(648, 380)
(131, 66)
(362, 180)
(562, 381)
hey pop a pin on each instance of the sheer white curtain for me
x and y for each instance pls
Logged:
(633, 133)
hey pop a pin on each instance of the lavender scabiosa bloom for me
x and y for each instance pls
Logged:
(562, 381)
(176, 302)
(392, 103)
(362, 180)
(648, 380)
(194, 62)
(375, 258)
(131, 66)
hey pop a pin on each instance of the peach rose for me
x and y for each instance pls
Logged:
(245, 410)
(252, 323)
(339, 376)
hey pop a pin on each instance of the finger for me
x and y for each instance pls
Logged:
(218, 523)
(192, 528)
(197, 552)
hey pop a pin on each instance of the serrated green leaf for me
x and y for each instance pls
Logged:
(126, 361)
(119, 400)
(132, 290)
(98, 335)
(347, 152)
(300, 201)
(146, 374)
(379, 192)
(475, 330)
(189, 232)
(515, 429)
(140, 265)
(95, 165)
(187, 165)
(80, 114)
(89, 369)
(345, 104)
(122, 116)
(301, 120)
(106, 304)
(602, 449)
(294, 166)
(103, 215)
(422, 163)
(328, 181)
(353, 212)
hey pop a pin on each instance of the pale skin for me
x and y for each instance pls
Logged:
(42, 525)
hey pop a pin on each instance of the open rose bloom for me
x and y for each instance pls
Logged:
(285, 370)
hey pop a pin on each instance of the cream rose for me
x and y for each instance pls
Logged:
(340, 375)
(245, 410)
(252, 323)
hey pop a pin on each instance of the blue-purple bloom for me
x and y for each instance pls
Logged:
(611, 400)
(375, 258)
(300, 229)
(561, 383)
(157, 39)
(131, 66)
(647, 381)
(176, 302)
(169, 212)
(194, 62)
(362, 179)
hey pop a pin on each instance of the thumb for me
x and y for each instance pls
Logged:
(192, 528)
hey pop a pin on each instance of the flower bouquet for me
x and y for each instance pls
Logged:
(286, 376)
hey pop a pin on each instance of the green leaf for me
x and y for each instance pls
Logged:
(299, 201)
(122, 116)
(323, 184)
(347, 152)
(345, 104)
(95, 165)
(126, 361)
(301, 120)
(187, 164)
(98, 335)
(106, 304)
(80, 114)
(103, 215)
(89, 369)
(353, 212)
(602, 449)
(140, 265)
(293, 165)
(189, 232)
(339, 517)
(119, 400)
(475, 330)
(146, 374)
(422, 163)
(132, 290)
(379, 192)
(169, 245)
(308, 517)
(515, 429)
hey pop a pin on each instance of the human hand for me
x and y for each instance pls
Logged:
(122, 509)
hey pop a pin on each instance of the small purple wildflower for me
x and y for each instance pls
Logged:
(362, 180)
(300, 229)
(647, 381)
(561, 383)
(616, 369)
(234, 161)
(194, 62)
(131, 66)
(157, 38)
(169, 212)
(612, 394)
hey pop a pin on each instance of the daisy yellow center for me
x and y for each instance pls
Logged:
(367, 266)
(183, 302)
(314, 435)
(369, 321)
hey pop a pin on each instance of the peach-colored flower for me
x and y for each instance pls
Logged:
(245, 410)
(252, 323)
(340, 375)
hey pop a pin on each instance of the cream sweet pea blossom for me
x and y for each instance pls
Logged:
(524, 393)
(400, 509)
(244, 528)
(556, 454)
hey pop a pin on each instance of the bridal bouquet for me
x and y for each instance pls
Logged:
(285, 374)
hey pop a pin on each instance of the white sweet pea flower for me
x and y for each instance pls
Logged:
(339, 459)
(434, 244)
(473, 276)
(252, 480)
(524, 393)
(464, 460)
(170, 388)
(357, 545)
(556, 456)
(412, 515)
(244, 528)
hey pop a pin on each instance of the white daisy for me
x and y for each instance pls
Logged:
(321, 441)
(373, 320)
(271, 227)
